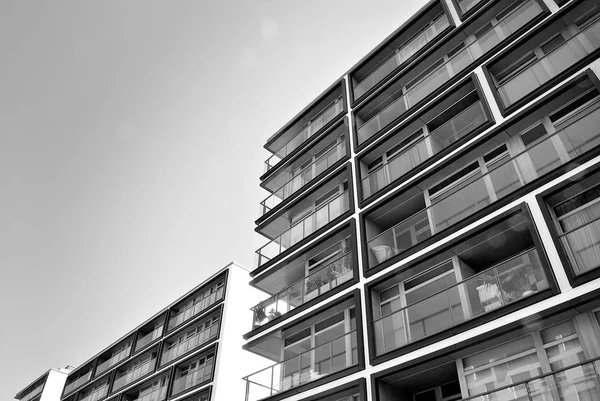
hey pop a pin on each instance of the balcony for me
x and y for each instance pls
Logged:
(505, 283)
(305, 175)
(401, 54)
(121, 353)
(33, 393)
(389, 106)
(154, 389)
(310, 123)
(542, 70)
(193, 373)
(579, 382)
(189, 340)
(317, 362)
(467, 5)
(195, 304)
(148, 334)
(132, 371)
(160, 394)
(299, 230)
(96, 393)
(80, 381)
(417, 151)
(505, 173)
(320, 281)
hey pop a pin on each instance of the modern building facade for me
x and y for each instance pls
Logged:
(432, 221)
(188, 351)
(47, 387)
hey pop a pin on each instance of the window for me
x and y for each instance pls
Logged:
(502, 365)
(562, 345)
(578, 223)
(553, 43)
(454, 180)
(320, 349)
(515, 68)
(523, 359)
(588, 18)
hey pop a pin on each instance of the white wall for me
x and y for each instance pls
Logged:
(232, 361)
(54, 385)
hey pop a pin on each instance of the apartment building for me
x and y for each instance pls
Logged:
(188, 351)
(432, 222)
(47, 387)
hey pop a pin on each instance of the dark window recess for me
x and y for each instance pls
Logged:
(330, 321)
(570, 107)
(514, 68)
(455, 177)
(577, 201)
(495, 153)
(552, 44)
(513, 6)
(533, 134)
(429, 275)
(588, 18)
(294, 338)
(423, 74)
(394, 149)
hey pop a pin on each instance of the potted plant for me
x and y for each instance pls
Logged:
(259, 315)
(520, 281)
(273, 314)
(489, 291)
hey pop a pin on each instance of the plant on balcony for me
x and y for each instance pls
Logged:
(518, 281)
(314, 283)
(260, 314)
(273, 314)
(342, 265)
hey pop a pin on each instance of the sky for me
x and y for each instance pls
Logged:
(131, 142)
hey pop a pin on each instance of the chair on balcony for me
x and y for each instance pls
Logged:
(384, 252)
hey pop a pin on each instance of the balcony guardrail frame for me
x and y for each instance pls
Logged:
(351, 334)
(340, 147)
(465, 51)
(525, 154)
(346, 256)
(403, 311)
(345, 206)
(594, 362)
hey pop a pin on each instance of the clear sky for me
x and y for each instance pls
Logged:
(131, 142)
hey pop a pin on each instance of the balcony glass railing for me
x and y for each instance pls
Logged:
(201, 374)
(134, 374)
(306, 175)
(77, 383)
(466, 5)
(112, 361)
(148, 338)
(401, 55)
(308, 130)
(207, 301)
(319, 282)
(436, 141)
(322, 216)
(583, 245)
(325, 359)
(508, 282)
(33, 393)
(156, 395)
(189, 344)
(552, 64)
(579, 382)
(454, 65)
(480, 190)
(96, 394)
